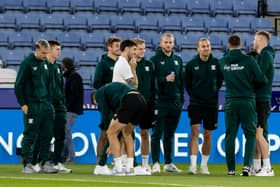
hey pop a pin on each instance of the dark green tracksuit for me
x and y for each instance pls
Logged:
(104, 71)
(170, 102)
(263, 94)
(241, 74)
(32, 89)
(203, 81)
(58, 101)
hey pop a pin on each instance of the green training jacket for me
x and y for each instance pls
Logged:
(32, 82)
(164, 65)
(147, 85)
(104, 71)
(203, 81)
(241, 74)
(265, 60)
(57, 84)
(108, 98)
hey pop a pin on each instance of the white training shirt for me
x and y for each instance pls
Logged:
(122, 71)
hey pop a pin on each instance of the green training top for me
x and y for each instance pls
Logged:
(147, 85)
(104, 71)
(164, 65)
(32, 82)
(108, 98)
(265, 60)
(203, 81)
(57, 84)
(241, 74)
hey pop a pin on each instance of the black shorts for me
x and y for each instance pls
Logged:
(263, 111)
(148, 118)
(207, 115)
(131, 109)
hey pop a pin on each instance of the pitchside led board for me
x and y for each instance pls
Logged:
(86, 132)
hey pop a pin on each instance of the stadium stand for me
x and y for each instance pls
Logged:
(82, 26)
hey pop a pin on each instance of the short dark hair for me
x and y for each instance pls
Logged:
(68, 63)
(127, 43)
(53, 43)
(265, 34)
(234, 40)
(112, 40)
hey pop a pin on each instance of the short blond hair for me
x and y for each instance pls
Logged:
(138, 41)
(264, 33)
(202, 40)
(168, 35)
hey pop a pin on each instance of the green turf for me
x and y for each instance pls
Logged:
(11, 176)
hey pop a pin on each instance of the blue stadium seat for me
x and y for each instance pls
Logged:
(49, 35)
(76, 22)
(276, 80)
(273, 7)
(130, 6)
(89, 58)
(275, 42)
(28, 21)
(188, 41)
(217, 42)
(193, 23)
(125, 22)
(147, 23)
(20, 39)
(107, 6)
(187, 55)
(4, 40)
(7, 21)
(87, 75)
(153, 6)
(99, 22)
(52, 21)
(247, 40)
(35, 5)
(14, 57)
(69, 39)
(176, 7)
(73, 53)
(59, 6)
(262, 24)
(82, 5)
(245, 7)
(199, 6)
(170, 23)
(217, 25)
(240, 25)
(218, 53)
(11, 5)
(149, 53)
(94, 40)
(149, 38)
(221, 7)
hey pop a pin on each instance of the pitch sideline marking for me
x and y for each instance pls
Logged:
(112, 181)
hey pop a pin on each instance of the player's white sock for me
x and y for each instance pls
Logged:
(204, 160)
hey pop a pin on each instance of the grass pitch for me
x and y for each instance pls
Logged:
(11, 176)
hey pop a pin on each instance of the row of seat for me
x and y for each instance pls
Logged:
(213, 7)
(90, 22)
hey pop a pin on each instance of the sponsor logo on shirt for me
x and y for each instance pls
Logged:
(176, 62)
(162, 62)
(147, 68)
(58, 71)
(196, 67)
(35, 68)
(213, 67)
(46, 66)
(233, 67)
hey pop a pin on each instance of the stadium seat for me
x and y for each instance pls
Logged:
(7, 21)
(146, 23)
(176, 7)
(193, 23)
(124, 22)
(221, 7)
(73, 53)
(87, 75)
(4, 40)
(218, 53)
(69, 39)
(148, 37)
(153, 6)
(199, 6)
(130, 6)
(262, 24)
(99, 22)
(273, 7)
(245, 7)
(28, 21)
(94, 40)
(216, 25)
(170, 23)
(82, 6)
(275, 42)
(14, 57)
(187, 55)
(217, 42)
(20, 39)
(49, 35)
(276, 80)
(52, 22)
(35, 5)
(11, 5)
(89, 58)
(149, 53)
(59, 6)
(188, 41)
(240, 25)
(76, 22)
(107, 6)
